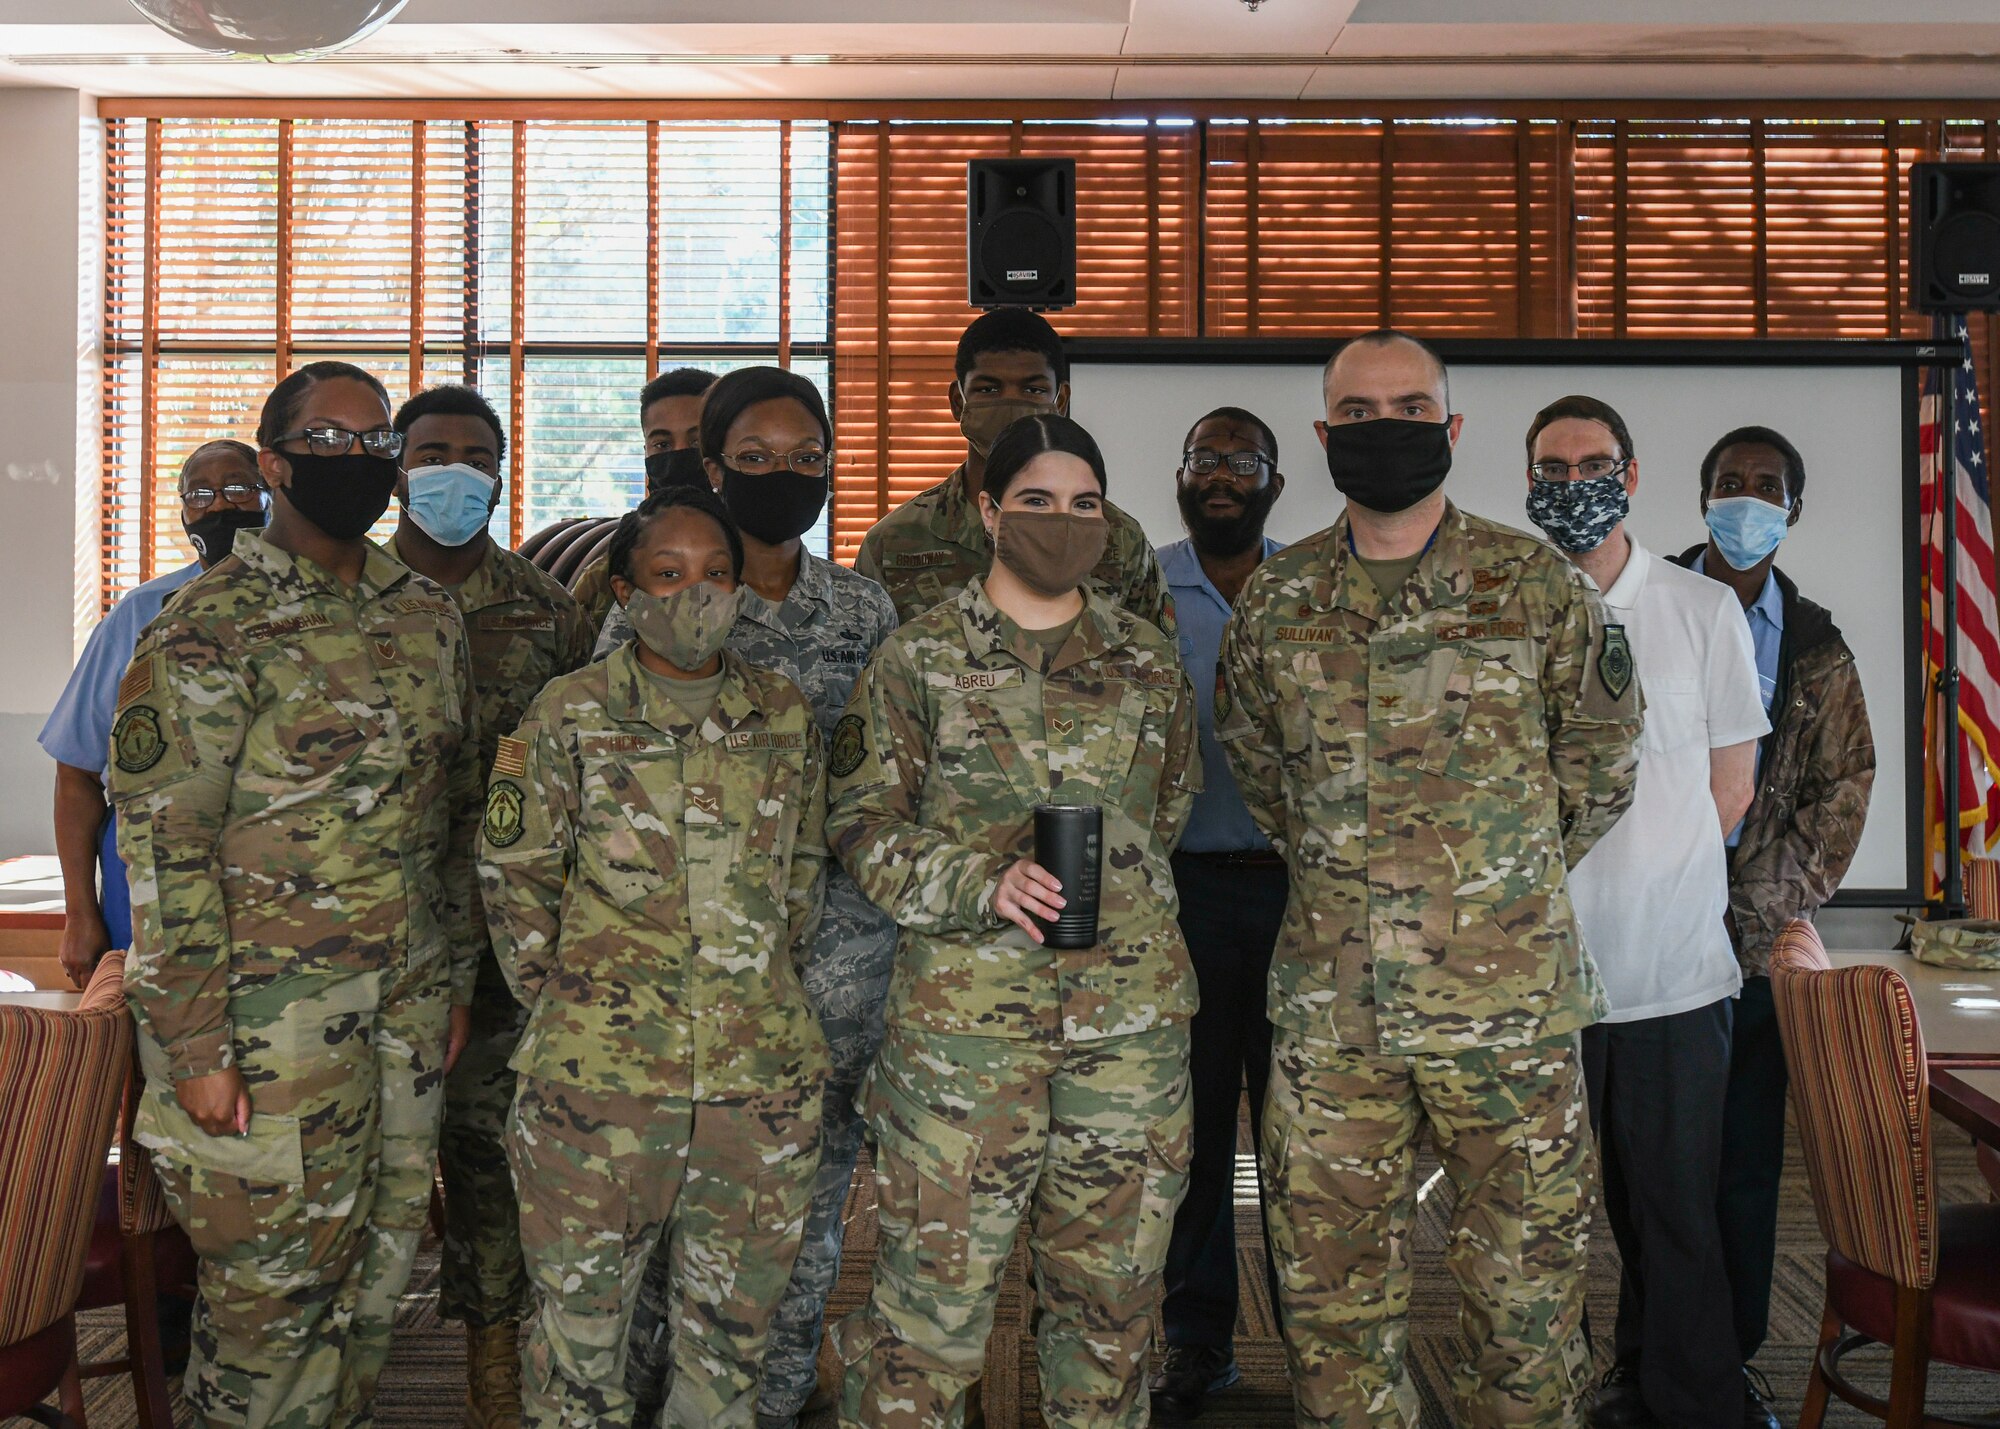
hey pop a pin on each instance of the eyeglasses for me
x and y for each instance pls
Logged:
(237, 493)
(1200, 461)
(338, 441)
(806, 461)
(1596, 469)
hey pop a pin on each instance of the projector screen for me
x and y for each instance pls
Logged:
(1852, 418)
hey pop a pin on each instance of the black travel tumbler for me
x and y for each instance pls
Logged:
(1069, 842)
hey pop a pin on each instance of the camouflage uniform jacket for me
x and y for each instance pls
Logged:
(652, 887)
(1429, 765)
(591, 588)
(295, 765)
(820, 636)
(953, 736)
(524, 629)
(929, 549)
(1815, 770)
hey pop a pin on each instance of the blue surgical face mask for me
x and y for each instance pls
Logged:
(1746, 529)
(450, 504)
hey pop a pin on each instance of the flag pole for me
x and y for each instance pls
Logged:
(1947, 677)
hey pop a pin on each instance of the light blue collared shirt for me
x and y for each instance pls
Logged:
(1220, 822)
(1766, 615)
(78, 732)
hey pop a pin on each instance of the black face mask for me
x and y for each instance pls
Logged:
(1388, 464)
(680, 467)
(1223, 536)
(775, 508)
(215, 532)
(342, 495)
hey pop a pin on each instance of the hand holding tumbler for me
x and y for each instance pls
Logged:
(1069, 843)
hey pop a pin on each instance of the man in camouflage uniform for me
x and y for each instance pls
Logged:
(820, 637)
(1430, 720)
(670, 426)
(1010, 364)
(1015, 1076)
(524, 630)
(294, 763)
(653, 883)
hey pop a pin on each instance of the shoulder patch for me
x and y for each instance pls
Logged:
(512, 757)
(1614, 662)
(138, 681)
(850, 746)
(505, 807)
(1223, 705)
(137, 742)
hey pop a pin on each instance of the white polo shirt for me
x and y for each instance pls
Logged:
(1650, 896)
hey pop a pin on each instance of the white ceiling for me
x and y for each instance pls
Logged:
(1141, 50)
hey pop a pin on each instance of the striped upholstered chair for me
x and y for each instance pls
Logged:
(1900, 1271)
(61, 1077)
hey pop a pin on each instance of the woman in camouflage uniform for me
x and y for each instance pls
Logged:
(765, 438)
(1019, 1082)
(652, 868)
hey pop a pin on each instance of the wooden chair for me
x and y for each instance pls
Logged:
(1899, 1271)
(61, 1075)
(137, 1251)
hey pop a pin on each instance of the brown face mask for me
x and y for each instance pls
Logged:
(1050, 551)
(983, 421)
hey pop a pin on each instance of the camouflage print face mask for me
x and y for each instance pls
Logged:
(686, 628)
(1578, 515)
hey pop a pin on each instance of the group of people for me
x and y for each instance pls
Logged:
(640, 910)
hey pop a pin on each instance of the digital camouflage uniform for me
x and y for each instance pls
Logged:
(651, 889)
(295, 766)
(524, 630)
(932, 546)
(820, 636)
(1429, 765)
(1014, 1074)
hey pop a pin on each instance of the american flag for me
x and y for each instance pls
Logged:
(1978, 619)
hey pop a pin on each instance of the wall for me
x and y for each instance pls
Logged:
(48, 238)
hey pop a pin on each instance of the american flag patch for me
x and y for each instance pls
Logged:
(512, 757)
(138, 681)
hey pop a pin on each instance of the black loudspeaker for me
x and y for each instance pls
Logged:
(1020, 233)
(1955, 238)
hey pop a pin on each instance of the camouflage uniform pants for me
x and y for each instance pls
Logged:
(1339, 1157)
(846, 980)
(1090, 1142)
(603, 1179)
(306, 1226)
(481, 1279)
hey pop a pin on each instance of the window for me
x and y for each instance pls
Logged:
(555, 264)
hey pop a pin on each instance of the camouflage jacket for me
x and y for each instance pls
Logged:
(524, 629)
(652, 888)
(929, 549)
(591, 589)
(1429, 765)
(820, 636)
(1815, 770)
(953, 736)
(296, 768)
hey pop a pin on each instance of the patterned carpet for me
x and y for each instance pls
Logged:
(424, 1385)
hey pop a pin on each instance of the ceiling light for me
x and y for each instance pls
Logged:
(272, 29)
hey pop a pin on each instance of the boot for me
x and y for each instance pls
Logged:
(493, 1376)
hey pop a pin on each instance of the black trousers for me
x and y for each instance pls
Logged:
(1657, 1089)
(1753, 1162)
(1229, 915)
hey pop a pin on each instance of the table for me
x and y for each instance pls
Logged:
(1970, 1096)
(1959, 1011)
(45, 1001)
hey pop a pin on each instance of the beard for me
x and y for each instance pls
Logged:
(1224, 536)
